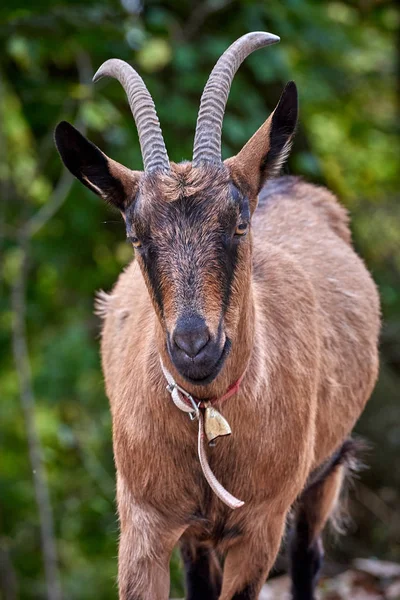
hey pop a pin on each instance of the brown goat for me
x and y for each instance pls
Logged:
(275, 299)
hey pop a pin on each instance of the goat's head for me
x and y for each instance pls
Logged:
(190, 223)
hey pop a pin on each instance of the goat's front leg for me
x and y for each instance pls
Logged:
(145, 548)
(249, 561)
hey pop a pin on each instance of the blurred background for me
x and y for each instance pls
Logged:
(59, 243)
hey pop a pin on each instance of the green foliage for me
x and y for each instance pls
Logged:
(342, 55)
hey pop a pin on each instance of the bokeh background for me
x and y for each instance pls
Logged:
(59, 243)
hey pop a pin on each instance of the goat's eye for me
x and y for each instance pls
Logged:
(241, 229)
(136, 243)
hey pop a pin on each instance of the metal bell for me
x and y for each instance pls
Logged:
(215, 425)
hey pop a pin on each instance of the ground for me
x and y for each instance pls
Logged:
(365, 580)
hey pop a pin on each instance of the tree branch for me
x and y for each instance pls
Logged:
(48, 210)
(8, 578)
(22, 364)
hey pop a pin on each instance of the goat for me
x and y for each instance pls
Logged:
(271, 304)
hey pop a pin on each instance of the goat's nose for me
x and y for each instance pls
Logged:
(191, 335)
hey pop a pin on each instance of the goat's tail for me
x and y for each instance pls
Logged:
(350, 457)
(322, 502)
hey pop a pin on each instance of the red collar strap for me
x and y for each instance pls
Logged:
(232, 389)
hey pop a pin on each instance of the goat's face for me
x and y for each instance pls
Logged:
(190, 231)
(190, 223)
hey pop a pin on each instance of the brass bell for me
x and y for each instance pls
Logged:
(215, 425)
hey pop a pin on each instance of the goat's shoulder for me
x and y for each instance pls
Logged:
(295, 198)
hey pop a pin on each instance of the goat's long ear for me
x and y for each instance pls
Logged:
(265, 153)
(105, 177)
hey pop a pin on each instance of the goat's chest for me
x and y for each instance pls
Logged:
(261, 460)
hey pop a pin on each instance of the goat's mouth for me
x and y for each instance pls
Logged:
(204, 371)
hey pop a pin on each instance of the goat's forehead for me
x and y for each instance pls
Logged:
(206, 190)
(185, 181)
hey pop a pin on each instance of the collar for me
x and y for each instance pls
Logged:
(190, 404)
(190, 400)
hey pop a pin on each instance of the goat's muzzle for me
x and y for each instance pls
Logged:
(197, 354)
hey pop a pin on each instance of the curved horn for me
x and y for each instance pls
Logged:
(207, 140)
(143, 110)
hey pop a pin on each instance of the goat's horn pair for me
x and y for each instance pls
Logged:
(207, 141)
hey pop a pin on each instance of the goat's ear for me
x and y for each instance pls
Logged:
(105, 177)
(265, 153)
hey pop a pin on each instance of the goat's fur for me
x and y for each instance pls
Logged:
(301, 314)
